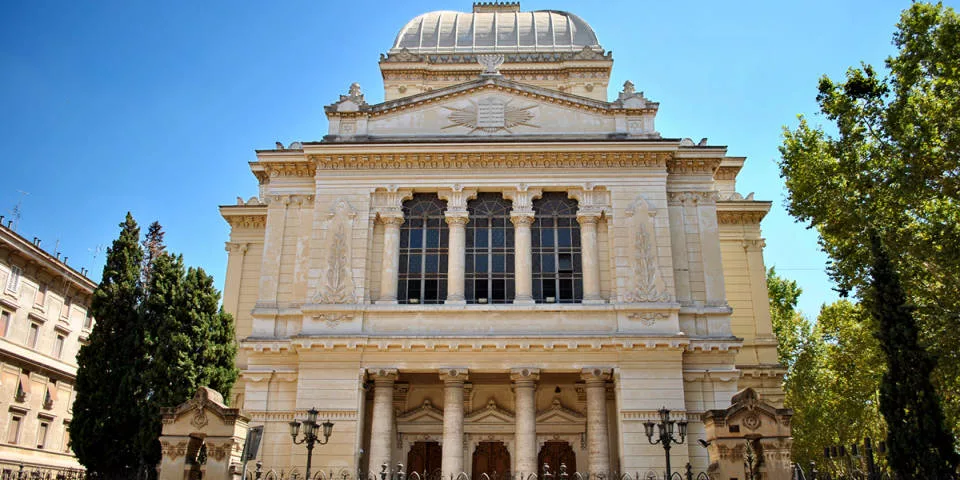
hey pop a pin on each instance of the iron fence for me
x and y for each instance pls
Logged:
(26, 471)
(259, 472)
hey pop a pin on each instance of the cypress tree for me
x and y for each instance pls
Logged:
(919, 444)
(215, 348)
(107, 406)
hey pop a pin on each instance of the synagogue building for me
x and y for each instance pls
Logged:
(501, 265)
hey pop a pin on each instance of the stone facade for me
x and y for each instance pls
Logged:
(43, 323)
(481, 275)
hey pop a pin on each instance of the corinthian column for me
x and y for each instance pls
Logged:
(381, 425)
(524, 391)
(451, 463)
(391, 259)
(522, 218)
(457, 218)
(598, 440)
(591, 257)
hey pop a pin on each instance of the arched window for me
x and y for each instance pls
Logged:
(489, 276)
(557, 266)
(423, 251)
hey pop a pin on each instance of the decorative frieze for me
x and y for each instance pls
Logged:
(289, 169)
(258, 222)
(491, 160)
(692, 198)
(690, 166)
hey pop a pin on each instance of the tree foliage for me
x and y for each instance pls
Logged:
(160, 334)
(833, 371)
(892, 167)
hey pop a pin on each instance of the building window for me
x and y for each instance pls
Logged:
(423, 251)
(489, 276)
(40, 300)
(557, 268)
(42, 434)
(65, 309)
(50, 396)
(4, 322)
(13, 282)
(13, 431)
(87, 322)
(58, 345)
(32, 335)
(23, 385)
(67, 443)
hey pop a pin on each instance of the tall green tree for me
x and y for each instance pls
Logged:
(174, 339)
(833, 372)
(106, 411)
(892, 168)
(919, 445)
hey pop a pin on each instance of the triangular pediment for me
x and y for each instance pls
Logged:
(489, 415)
(425, 413)
(489, 107)
(558, 414)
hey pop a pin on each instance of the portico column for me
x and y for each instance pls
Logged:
(457, 217)
(381, 425)
(598, 441)
(452, 451)
(522, 258)
(591, 257)
(391, 258)
(456, 258)
(524, 391)
(522, 218)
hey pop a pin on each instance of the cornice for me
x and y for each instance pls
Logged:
(688, 166)
(33, 254)
(510, 59)
(243, 216)
(475, 160)
(300, 168)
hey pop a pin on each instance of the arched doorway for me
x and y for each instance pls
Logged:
(553, 454)
(424, 458)
(493, 459)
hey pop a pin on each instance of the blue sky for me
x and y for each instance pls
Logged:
(156, 107)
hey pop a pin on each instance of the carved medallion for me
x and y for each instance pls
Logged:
(490, 115)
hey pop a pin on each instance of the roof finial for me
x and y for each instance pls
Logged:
(628, 87)
(484, 7)
(491, 64)
(355, 90)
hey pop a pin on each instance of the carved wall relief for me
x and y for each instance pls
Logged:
(336, 280)
(647, 283)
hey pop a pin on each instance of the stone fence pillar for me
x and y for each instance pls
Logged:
(749, 428)
(203, 423)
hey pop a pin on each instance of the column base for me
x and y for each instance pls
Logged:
(593, 301)
(524, 301)
(385, 302)
(455, 301)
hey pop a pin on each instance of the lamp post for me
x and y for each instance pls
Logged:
(310, 436)
(665, 434)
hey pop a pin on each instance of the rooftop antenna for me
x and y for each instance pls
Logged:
(16, 213)
(95, 252)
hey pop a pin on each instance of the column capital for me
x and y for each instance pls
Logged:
(388, 201)
(591, 200)
(383, 374)
(456, 218)
(454, 375)
(524, 374)
(595, 374)
(522, 197)
(521, 219)
(589, 217)
(389, 219)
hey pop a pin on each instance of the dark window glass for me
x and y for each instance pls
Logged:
(423, 251)
(489, 267)
(557, 270)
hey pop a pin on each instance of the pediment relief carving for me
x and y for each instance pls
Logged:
(491, 414)
(559, 414)
(425, 413)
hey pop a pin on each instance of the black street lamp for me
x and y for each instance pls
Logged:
(310, 436)
(665, 436)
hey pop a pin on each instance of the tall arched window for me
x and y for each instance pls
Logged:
(557, 266)
(423, 251)
(489, 276)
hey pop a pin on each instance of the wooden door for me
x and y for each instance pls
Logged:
(491, 458)
(553, 454)
(424, 458)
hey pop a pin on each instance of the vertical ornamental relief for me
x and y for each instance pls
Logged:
(646, 279)
(336, 280)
